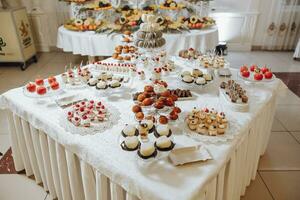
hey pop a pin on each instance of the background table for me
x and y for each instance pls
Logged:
(92, 44)
(94, 166)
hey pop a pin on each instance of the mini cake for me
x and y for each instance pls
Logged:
(114, 84)
(207, 77)
(129, 130)
(147, 150)
(164, 143)
(201, 128)
(197, 73)
(200, 81)
(188, 79)
(101, 85)
(212, 130)
(93, 82)
(162, 130)
(131, 143)
(221, 129)
(185, 73)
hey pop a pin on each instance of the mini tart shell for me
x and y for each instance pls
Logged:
(135, 134)
(125, 148)
(153, 155)
(156, 134)
(165, 149)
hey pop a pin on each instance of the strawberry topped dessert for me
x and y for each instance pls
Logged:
(88, 113)
(255, 73)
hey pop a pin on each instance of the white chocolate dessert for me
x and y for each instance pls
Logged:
(131, 142)
(101, 85)
(200, 81)
(188, 79)
(147, 150)
(163, 142)
(129, 130)
(114, 84)
(163, 130)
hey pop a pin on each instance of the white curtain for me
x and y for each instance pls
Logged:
(282, 27)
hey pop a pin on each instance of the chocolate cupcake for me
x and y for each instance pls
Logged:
(130, 143)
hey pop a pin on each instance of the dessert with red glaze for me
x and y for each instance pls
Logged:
(54, 85)
(256, 73)
(41, 90)
(39, 81)
(31, 87)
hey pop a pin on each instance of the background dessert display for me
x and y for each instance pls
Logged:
(103, 16)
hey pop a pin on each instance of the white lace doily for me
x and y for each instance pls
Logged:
(113, 118)
(230, 133)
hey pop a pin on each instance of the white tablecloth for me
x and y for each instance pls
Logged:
(94, 166)
(92, 44)
(297, 50)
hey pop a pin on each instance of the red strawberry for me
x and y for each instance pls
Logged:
(41, 90)
(243, 68)
(268, 75)
(264, 70)
(252, 68)
(246, 74)
(31, 87)
(258, 76)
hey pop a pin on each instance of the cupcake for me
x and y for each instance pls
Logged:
(114, 84)
(93, 82)
(208, 77)
(221, 129)
(185, 73)
(201, 129)
(188, 79)
(162, 130)
(164, 143)
(197, 73)
(129, 130)
(131, 143)
(101, 85)
(212, 130)
(147, 150)
(200, 81)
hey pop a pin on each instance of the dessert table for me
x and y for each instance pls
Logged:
(297, 50)
(73, 166)
(93, 44)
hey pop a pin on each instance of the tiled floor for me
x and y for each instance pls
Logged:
(278, 176)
